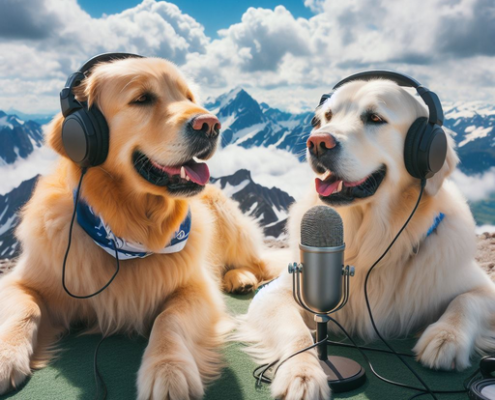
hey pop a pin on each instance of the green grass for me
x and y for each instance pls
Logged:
(71, 375)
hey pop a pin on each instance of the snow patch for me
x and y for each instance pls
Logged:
(246, 133)
(475, 133)
(229, 190)
(9, 224)
(4, 122)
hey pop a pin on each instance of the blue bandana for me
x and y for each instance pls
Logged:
(439, 218)
(103, 236)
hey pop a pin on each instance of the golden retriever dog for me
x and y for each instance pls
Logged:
(429, 284)
(157, 134)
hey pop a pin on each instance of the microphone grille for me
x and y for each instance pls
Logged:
(322, 226)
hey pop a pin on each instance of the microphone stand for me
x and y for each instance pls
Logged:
(343, 374)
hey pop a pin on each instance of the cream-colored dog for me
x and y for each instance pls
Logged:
(143, 191)
(429, 283)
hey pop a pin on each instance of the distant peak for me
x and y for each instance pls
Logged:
(242, 174)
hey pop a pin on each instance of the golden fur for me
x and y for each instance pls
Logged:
(424, 282)
(174, 296)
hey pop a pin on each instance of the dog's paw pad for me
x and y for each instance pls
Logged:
(169, 380)
(441, 346)
(14, 366)
(300, 380)
(239, 281)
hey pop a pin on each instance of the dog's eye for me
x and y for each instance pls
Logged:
(315, 122)
(376, 119)
(145, 98)
(328, 115)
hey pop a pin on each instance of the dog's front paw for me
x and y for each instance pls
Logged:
(301, 379)
(14, 365)
(169, 378)
(441, 346)
(239, 281)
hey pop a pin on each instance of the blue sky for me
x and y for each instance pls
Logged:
(283, 52)
(212, 14)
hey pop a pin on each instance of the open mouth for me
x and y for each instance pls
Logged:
(335, 191)
(185, 179)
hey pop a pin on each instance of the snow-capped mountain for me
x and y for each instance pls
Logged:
(473, 125)
(9, 218)
(18, 138)
(268, 206)
(247, 123)
(41, 119)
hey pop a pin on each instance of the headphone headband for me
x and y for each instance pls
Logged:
(68, 102)
(85, 132)
(425, 146)
(435, 111)
(105, 57)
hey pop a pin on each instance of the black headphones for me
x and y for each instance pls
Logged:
(425, 148)
(484, 389)
(85, 134)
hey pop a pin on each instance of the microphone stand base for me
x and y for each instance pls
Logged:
(343, 374)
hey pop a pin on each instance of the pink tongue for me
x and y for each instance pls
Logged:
(198, 173)
(326, 188)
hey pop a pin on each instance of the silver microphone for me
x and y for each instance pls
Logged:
(320, 285)
(322, 258)
(321, 282)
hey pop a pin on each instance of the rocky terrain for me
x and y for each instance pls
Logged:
(486, 253)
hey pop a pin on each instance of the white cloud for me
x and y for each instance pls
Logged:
(40, 162)
(281, 59)
(269, 167)
(475, 187)
(348, 36)
(36, 58)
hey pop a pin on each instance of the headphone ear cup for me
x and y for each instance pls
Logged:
(98, 149)
(75, 138)
(411, 148)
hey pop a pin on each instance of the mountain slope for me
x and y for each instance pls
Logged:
(10, 205)
(18, 138)
(248, 124)
(473, 123)
(268, 206)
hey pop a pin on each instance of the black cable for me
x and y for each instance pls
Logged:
(389, 381)
(98, 378)
(265, 367)
(423, 184)
(422, 391)
(83, 172)
(356, 347)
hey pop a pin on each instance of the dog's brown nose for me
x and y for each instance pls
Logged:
(207, 123)
(320, 142)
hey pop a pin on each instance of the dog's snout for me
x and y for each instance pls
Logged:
(320, 142)
(207, 124)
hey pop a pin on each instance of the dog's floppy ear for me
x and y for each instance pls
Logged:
(86, 91)
(434, 184)
(53, 136)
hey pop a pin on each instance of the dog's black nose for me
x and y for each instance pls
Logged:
(320, 142)
(207, 124)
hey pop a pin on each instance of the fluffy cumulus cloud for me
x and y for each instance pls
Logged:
(43, 41)
(269, 167)
(475, 187)
(283, 60)
(448, 45)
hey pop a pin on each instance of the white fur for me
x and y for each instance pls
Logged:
(441, 287)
